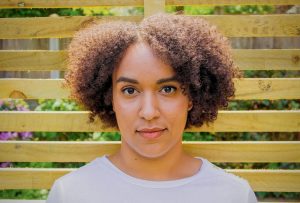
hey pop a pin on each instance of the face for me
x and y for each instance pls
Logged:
(150, 108)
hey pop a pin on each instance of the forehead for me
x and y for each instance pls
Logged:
(139, 60)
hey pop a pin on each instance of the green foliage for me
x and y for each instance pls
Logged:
(39, 12)
(264, 105)
(57, 105)
(13, 105)
(190, 10)
(106, 136)
(253, 9)
(86, 11)
(98, 11)
(23, 194)
(198, 136)
(198, 10)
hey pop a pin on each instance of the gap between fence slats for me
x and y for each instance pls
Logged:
(97, 3)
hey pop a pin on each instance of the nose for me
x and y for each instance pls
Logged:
(149, 108)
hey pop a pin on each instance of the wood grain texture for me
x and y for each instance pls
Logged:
(77, 121)
(267, 88)
(215, 151)
(246, 59)
(260, 180)
(32, 60)
(283, 25)
(267, 59)
(50, 27)
(246, 89)
(152, 7)
(96, 3)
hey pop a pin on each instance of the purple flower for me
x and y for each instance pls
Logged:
(4, 135)
(13, 135)
(8, 135)
(1, 102)
(25, 135)
(5, 164)
(21, 108)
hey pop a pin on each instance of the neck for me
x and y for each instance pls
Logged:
(175, 164)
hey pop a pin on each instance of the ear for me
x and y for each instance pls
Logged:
(190, 105)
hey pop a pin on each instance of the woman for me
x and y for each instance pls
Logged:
(151, 81)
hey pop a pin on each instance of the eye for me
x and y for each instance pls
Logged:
(168, 89)
(129, 91)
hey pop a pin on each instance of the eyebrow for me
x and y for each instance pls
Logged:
(160, 81)
(163, 80)
(124, 79)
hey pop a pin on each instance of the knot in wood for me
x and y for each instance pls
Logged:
(264, 85)
(17, 95)
(295, 59)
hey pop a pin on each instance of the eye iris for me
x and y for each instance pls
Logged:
(130, 90)
(168, 89)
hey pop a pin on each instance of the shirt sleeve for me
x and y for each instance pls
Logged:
(56, 193)
(251, 196)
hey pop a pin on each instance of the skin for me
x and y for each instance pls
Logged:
(146, 96)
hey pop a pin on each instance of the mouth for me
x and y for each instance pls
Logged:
(151, 133)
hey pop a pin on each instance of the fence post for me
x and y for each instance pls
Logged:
(153, 6)
(54, 45)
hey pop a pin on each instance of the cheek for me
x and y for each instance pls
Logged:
(125, 111)
(176, 111)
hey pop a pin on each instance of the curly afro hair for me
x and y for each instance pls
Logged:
(199, 54)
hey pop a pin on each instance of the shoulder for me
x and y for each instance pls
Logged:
(82, 184)
(87, 173)
(226, 184)
(224, 178)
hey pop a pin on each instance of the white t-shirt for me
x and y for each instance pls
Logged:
(102, 182)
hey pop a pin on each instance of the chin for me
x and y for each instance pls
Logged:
(152, 153)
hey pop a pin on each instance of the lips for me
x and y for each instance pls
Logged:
(151, 133)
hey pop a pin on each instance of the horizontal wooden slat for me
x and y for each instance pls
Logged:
(266, 59)
(33, 60)
(228, 121)
(271, 180)
(54, 27)
(92, 3)
(246, 89)
(152, 7)
(287, 25)
(246, 59)
(267, 88)
(260, 180)
(245, 151)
